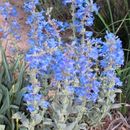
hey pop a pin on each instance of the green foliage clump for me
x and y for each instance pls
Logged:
(11, 88)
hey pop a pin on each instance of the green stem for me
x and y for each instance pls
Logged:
(73, 19)
(110, 11)
(121, 23)
(103, 21)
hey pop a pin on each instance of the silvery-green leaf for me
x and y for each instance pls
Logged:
(72, 109)
(23, 129)
(20, 116)
(71, 125)
(2, 127)
(101, 100)
(47, 121)
(17, 115)
(112, 97)
(55, 106)
(37, 118)
(115, 106)
(23, 119)
(62, 126)
(118, 90)
(83, 126)
(25, 123)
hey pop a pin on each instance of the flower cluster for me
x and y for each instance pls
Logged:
(9, 13)
(78, 63)
(80, 71)
(112, 58)
(82, 13)
(83, 66)
(34, 100)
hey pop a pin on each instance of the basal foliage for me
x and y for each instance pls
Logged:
(11, 89)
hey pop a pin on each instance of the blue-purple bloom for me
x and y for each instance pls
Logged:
(82, 66)
(30, 108)
(9, 12)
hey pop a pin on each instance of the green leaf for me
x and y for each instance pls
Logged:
(19, 95)
(14, 106)
(6, 100)
(20, 77)
(1, 95)
(15, 66)
(5, 64)
(5, 119)
(1, 74)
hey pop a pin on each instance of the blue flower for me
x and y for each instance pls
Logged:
(118, 81)
(14, 12)
(80, 91)
(45, 104)
(94, 53)
(83, 80)
(80, 13)
(67, 2)
(29, 88)
(30, 108)
(28, 97)
(30, 19)
(4, 11)
(29, 6)
(95, 8)
(52, 42)
(88, 34)
(89, 21)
